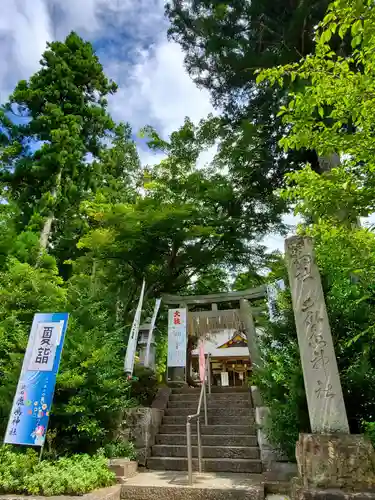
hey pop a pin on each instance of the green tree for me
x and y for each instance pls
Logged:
(47, 156)
(92, 391)
(182, 232)
(212, 279)
(224, 44)
(24, 290)
(66, 149)
(186, 220)
(72, 178)
(332, 112)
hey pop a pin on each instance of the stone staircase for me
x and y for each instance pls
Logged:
(229, 440)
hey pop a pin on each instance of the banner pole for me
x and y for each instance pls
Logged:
(133, 336)
(152, 326)
(41, 452)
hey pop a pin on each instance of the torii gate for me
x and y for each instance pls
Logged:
(227, 318)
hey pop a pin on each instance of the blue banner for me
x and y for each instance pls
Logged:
(28, 420)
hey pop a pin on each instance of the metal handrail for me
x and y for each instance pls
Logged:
(202, 397)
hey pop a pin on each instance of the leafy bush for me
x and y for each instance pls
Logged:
(69, 476)
(280, 382)
(91, 390)
(14, 468)
(369, 430)
(24, 290)
(120, 449)
(144, 389)
(76, 475)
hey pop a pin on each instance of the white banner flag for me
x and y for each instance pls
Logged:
(133, 337)
(177, 338)
(152, 326)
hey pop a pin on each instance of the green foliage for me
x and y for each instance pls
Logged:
(280, 380)
(224, 44)
(23, 291)
(84, 224)
(22, 473)
(209, 280)
(63, 107)
(369, 429)
(161, 354)
(333, 112)
(345, 256)
(91, 390)
(346, 259)
(188, 220)
(15, 467)
(145, 387)
(120, 449)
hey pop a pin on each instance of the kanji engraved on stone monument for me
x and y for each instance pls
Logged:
(322, 382)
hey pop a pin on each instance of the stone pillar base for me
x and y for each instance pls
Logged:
(335, 461)
(299, 492)
(176, 374)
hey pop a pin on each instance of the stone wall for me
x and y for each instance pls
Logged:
(273, 461)
(140, 425)
(111, 493)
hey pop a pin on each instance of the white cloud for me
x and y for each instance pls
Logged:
(276, 241)
(150, 158)
(206, 157)
(27, 25)
(158, 91)
(130, 37)
(24, 31)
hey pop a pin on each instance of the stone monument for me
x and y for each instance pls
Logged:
(330, 457)
(322, 382)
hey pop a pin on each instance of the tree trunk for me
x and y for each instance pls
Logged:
(47, 228)
(46, 231)
(327, 163)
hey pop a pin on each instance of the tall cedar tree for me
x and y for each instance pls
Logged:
(52, 131)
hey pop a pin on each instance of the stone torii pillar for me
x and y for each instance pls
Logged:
(251, 335)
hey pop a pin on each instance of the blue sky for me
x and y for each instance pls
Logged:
(130, 36)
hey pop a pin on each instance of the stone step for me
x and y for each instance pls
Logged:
(207, 440)
(279, 480)
(212, 420)
(225, 412)
(161, 450)
(156, 485)
(214, 389)
(249, 430)
(211, 403)
(231, 396)
(251, 466)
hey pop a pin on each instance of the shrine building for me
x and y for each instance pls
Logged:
(229, 334)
